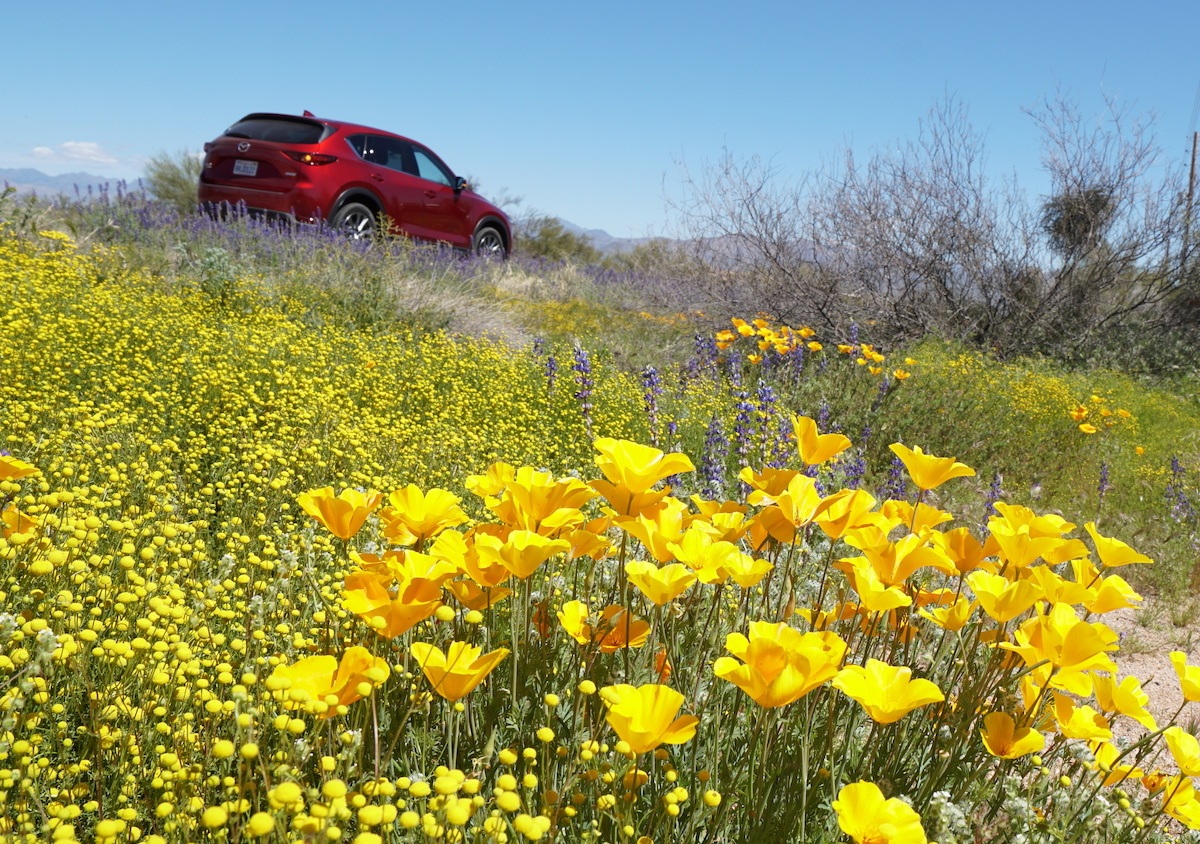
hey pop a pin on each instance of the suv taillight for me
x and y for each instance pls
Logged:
(311, 158)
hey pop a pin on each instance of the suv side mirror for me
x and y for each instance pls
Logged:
(460, 184)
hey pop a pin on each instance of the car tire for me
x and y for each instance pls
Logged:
(489, 243)
(355, 220)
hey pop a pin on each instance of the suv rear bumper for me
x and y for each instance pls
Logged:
(293, 205)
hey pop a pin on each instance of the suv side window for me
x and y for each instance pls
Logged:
(360, 144)
(428, 167)
(389, 152)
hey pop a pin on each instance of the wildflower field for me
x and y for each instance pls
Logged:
(271, 578)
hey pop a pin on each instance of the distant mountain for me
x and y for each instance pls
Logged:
(28, 180)
(602, 240)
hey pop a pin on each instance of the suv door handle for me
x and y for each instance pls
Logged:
(377, 177)
(431, 194)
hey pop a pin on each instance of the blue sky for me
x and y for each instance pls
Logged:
(583, 109)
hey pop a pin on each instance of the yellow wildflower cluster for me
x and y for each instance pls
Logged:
(782, 340)
(241, 599)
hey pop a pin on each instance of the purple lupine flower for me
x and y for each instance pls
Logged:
(766, 411)
(742, 432)
(823, 416)
(993, 495)
(673, 437)
(652, 389)
(1182, 508)
(733, 367)
(854, 334)
(795, 360)
(583, 377)
(894, 487)
(881, 394)
(551, 372)
(781, 450)
(712, 463)
(1104, 485)
(855, 470)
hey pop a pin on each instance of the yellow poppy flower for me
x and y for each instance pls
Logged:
(1114, 772)
(522, 552)
(895, 562)
(614, 629)
(475, 597)
(660, 585)
(342, 515)
(460, 669)
(771, 482)
(645, 716)
(952, 617)
(1179, 801)
(816, 448)
(965, 552)
(1189, 676)
(779, 664)
(658, 528)
(1184, 749)
(1003, 738)
(1070, 646)
(537, 501)
(326, 680)
(415, 516)
(1113, 552)
(13, 468)
(843, 511)
(712, 559)
(1125, 698)
(886, 692)
(867, 818)
(368, 596)
(926, 470)
(1001, 598)
(1079, 721)
(631, 470)
(874, 595)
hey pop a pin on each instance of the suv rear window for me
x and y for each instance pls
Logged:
(287, 130)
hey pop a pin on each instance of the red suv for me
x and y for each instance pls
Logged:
(308, 169)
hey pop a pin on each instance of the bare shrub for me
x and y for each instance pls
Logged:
(919, 239)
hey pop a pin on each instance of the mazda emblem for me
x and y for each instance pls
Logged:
(243, 146)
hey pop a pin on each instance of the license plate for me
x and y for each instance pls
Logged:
(245, 168)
